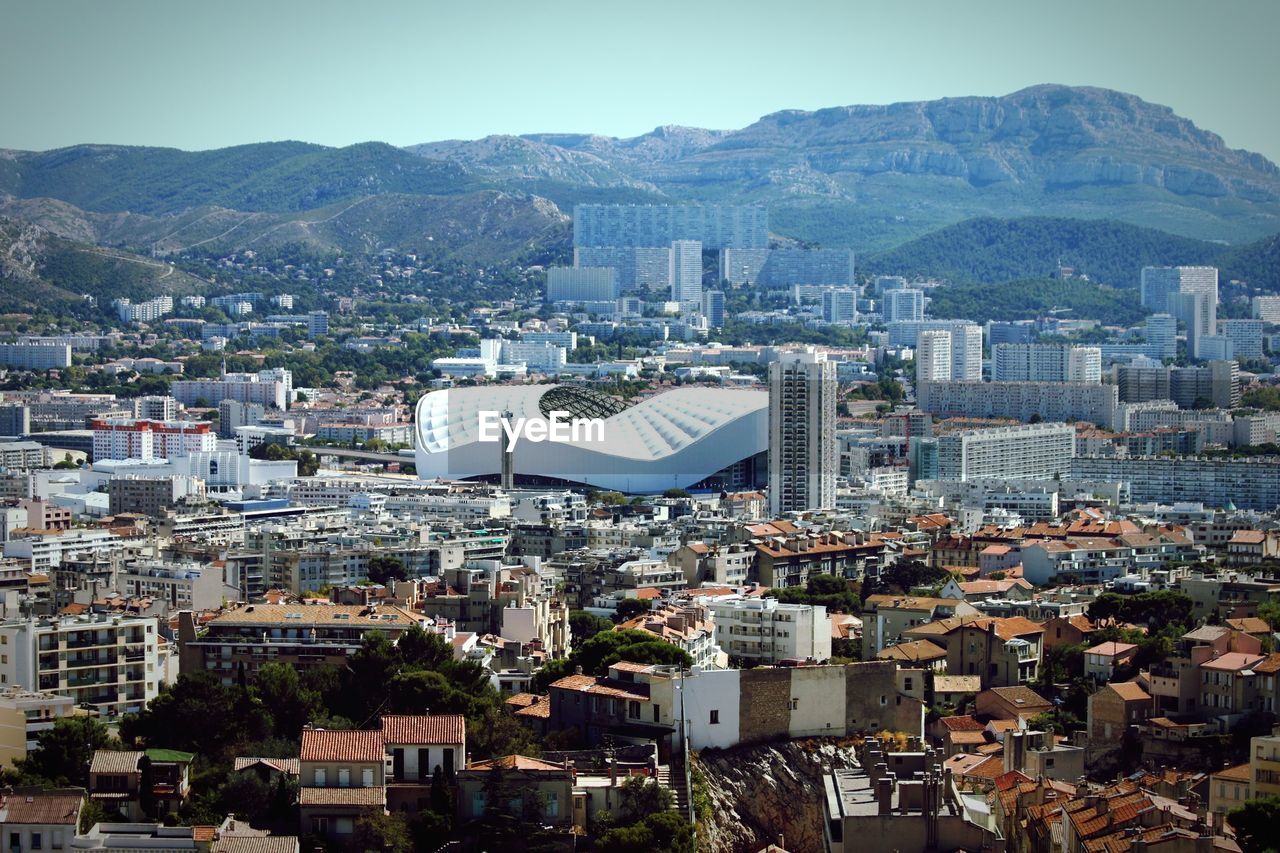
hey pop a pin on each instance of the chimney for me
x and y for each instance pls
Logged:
(781, 842)
(884, 796)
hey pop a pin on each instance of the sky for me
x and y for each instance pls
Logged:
(211, 74)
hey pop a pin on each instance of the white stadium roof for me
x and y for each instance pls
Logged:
(675, 438)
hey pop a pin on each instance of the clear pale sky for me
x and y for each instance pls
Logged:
(209, 74)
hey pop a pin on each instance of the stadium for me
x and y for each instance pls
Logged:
(690, 437)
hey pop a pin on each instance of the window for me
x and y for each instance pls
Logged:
(657, 713)
(319, 777)
(478, 803)
(319, 826)
(553, 804)
(633, 709)
(366, 777)
(795, 704)
(343, 826)
(906, 685)
(344, 777)
(37, 843)
(715, 717)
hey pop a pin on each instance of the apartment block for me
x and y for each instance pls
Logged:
(765, 631)
(106, 661)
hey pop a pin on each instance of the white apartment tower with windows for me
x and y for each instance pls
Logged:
(933, 356)
(802, 432)
(686, 274)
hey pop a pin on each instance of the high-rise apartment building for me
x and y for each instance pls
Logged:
(686, 274)
(840, 305)
(1045, 363)
(802, 432)
(233, 414)
(1159, 283)
(907, 304)
(120, 438)
(713, 308)
(933, 356)
(1032, 452)
(155, 407)
(317, 323)
(1162, 336)
(1049, 401)
(1267, 308)
(1245, 336)
(966, 351)
(35, 356)
(1198, 310)
(582, 284)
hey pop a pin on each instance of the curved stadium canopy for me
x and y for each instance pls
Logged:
(671, 440)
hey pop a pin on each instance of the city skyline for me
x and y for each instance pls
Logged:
(406, 74)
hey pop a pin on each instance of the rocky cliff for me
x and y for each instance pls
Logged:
(755, 794)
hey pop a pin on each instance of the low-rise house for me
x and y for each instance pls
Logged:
(917, 653)
(1067, 631)
(38, 820)
(886, 618)
(950, 690)
(519, 787)
(116, 778)
(1011, 703)
(1002, 652)
(1253, 547)
(342, 775)
(1229, 685)
(1102, 661)
(1229, 789)
(419, 746)
(1113, 708)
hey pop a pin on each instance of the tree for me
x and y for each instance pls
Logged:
(146, 787)
(665, 830)
(383, 569)
(1255, 822)
(64, 752)
(583, 626)
(289, 705)
(630, 608)
(386, 832)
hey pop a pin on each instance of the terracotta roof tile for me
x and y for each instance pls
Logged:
(424, 728)
(325, 745)
(374, 796)
(40, 808)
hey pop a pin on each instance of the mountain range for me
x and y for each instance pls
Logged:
(869, 177)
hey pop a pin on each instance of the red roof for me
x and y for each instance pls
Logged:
(425, 729)
(325, 745)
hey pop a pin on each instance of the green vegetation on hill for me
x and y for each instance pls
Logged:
(270, 176)
(996, 250)
(1029, 299)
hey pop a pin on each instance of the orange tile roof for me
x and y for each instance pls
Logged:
(1130, 691)
(326, 745)
(424, 729)
(374, 796)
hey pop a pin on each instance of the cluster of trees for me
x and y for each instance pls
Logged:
(989, 250)
(308, 462)
(266, 717)
(605, 648)
(1266, 398)
(1030, 298)
(837, 594)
